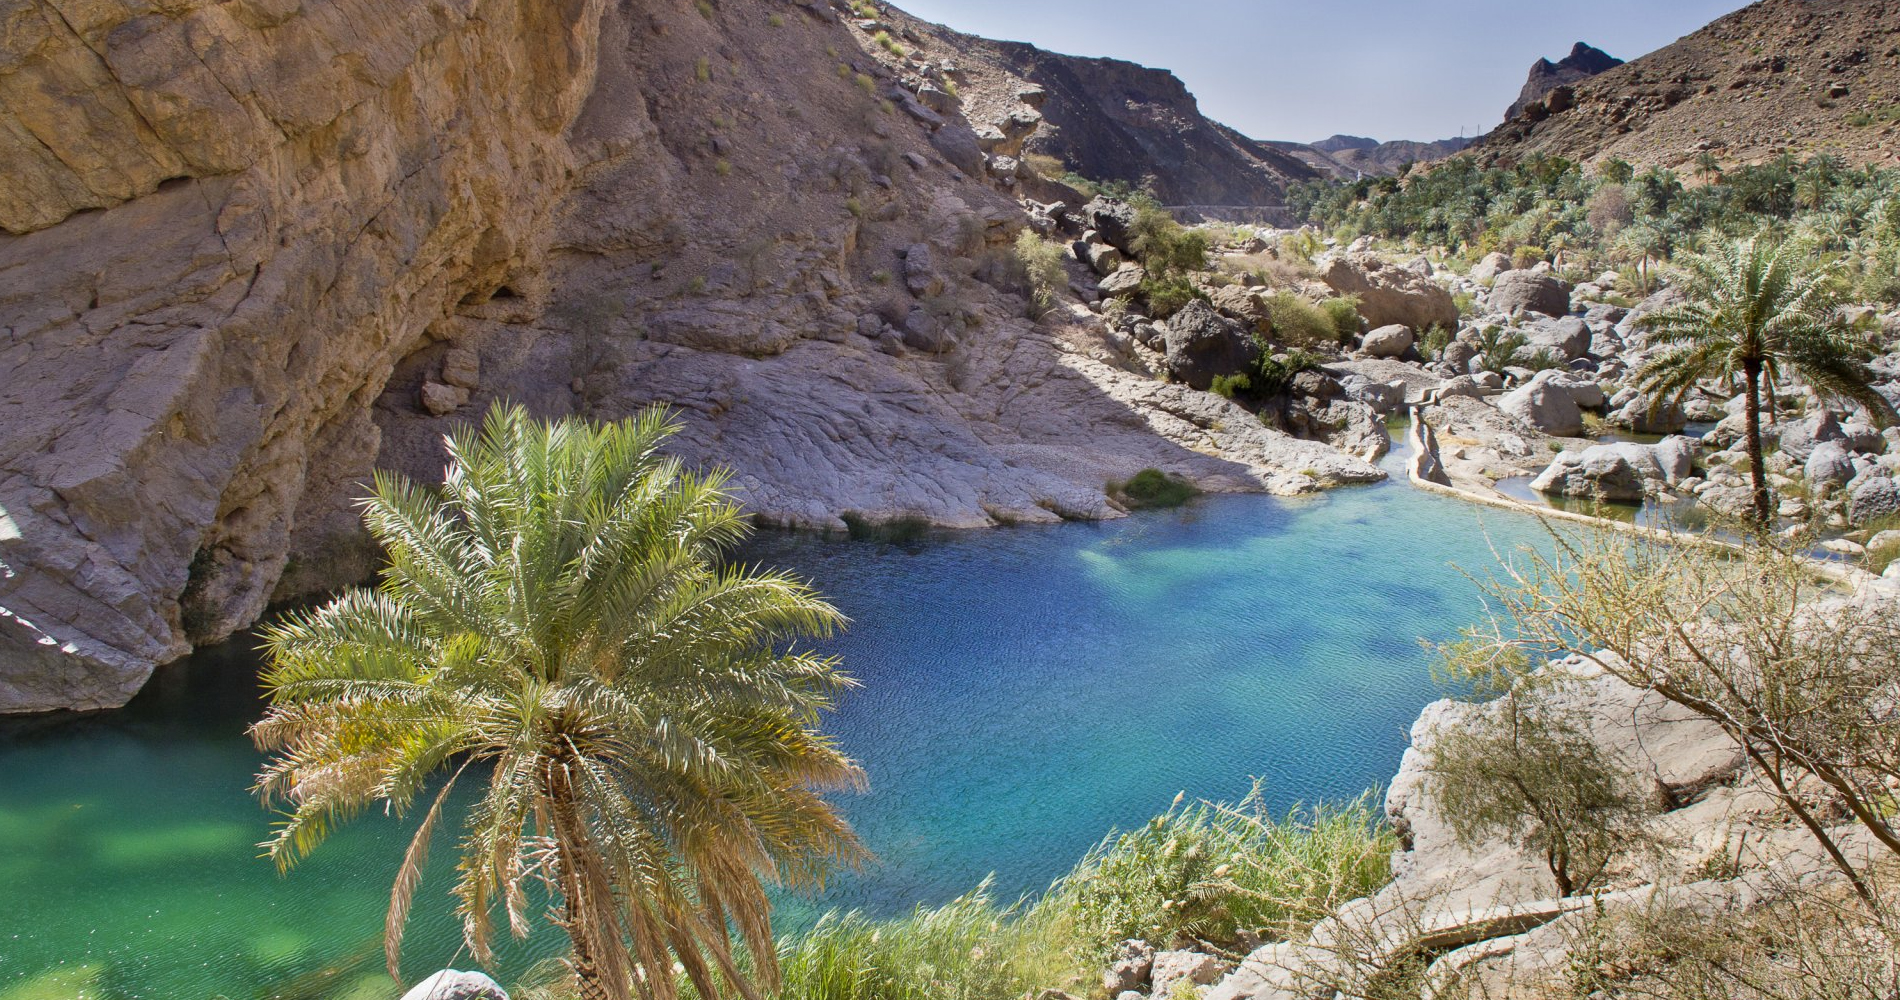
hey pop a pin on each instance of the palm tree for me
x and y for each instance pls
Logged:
(1758, 308)
(555, 625)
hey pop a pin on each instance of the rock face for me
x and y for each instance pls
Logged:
(288, 198)
(257, 251)
(1108, 119)
(1530, 291)
(1544, 406)
(1620, 471)
(1387, 341)
(1203, 344)
(1583, 62)
(1775, 75)
(1389, 294)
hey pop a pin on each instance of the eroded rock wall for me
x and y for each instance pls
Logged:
(274, 248)
(227, 222)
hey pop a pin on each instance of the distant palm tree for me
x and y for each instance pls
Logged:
(1708, 167)
(554, 624)
(1756, 309)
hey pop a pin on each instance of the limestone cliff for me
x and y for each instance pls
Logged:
(256, 249)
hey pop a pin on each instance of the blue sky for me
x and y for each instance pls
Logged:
(1305, 69)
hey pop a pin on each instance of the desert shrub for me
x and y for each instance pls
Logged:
(1497, 348)
(1526, 256)
(1151, 488)
(1748, 639)
(1165, 247)
(1041, 262)
(1229, 386)
(1434, 340)
(1210, 872)
(1299, 323)
(1541, 359)
(1525, 769)
(1343, 312)
(1042, 164)
(1167, 295)
(1273, 374)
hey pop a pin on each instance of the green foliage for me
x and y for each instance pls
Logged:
(1760, 310)
(1299, 323)
(1343, 312)
(1166, 296)
(1211, 872)
(1228, 386)
(1152, 488)
(889, 44)
(1498, 348)
(1527, 770)
(555, 624)
(1547, 203)
(1273, 375)
(1041, 261)
(1165, 247)
(1434, 340)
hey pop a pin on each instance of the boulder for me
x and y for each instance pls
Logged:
(920, 271)
(1493, 264)
(1100, 257)
(1568, 337)
(1623, 470)
(1458, 354)
(450, 984)
(1171, 967)
(1241, 303)
(1544, 405)
(924, 332)
(1383, 397)
(1799, 437)
(1830, 463)
(958, 144)
(462, 367)
(1129, 971)
(1389, 341)
(440, 400)
(1124, 281)
(1531, 292)
(1875, 497)
(1389, 294)
(1115, 220)
(1202, 344)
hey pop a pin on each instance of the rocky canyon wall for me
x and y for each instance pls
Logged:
(256, 250)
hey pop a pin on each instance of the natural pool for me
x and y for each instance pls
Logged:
(1025, 690)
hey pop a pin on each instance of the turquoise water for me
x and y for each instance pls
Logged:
(1025, 690)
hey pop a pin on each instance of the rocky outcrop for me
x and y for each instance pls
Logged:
(1389, 294)
(1775, 76)
(1106, 119)
(230, 221)
(1583, 62)
(1621, 471)
(1529, 291)
(265, 249)
(1203, 345)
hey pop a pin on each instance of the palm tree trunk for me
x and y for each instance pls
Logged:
(588, 981)
(1758, 475)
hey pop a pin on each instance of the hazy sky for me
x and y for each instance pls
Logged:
(1305, 69)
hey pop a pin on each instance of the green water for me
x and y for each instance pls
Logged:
(1025, 690)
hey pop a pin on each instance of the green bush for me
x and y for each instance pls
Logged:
(1229, 386)
(1166, 296)
(1434, 340)
(1041, 261)
(1165, 247)
(1497, 348)
(1154, 488)
(1344, 314)
(1212, 872)
(1274, 373)
(1299, 323)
